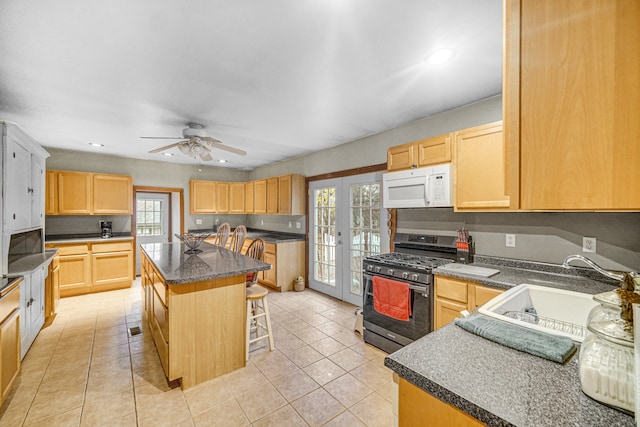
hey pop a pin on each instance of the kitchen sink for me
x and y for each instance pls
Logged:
(542, 308)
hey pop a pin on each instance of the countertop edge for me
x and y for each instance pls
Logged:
(29, 263)
(87, 240)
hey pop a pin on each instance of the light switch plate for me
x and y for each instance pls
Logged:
(511, 240)
(198, 221)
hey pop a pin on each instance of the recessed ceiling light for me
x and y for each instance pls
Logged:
(222, 161)
(167, 154)
(95, 144)
(440, 56)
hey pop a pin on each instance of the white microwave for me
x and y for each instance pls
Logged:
(427, 187)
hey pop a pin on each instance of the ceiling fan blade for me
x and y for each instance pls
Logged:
(162, 137)
(166, 147)
(212, 142)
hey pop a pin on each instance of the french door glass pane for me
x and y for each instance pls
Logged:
(325, 236)
(365, 229)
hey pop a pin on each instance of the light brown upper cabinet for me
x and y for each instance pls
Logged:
(236, 197)
(84, 193)
(202, 196)
(291, 197)
(248, 197)
(260, 196)
(481, 169)
(113, 194)
(429, 151)
(571, 103)
(222, 197)
(272, 195)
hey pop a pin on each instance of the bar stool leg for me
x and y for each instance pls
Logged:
(248, 334)
(265, 306)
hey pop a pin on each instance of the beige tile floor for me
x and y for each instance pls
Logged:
(85, 370)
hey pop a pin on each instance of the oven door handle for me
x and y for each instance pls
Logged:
(422, 289)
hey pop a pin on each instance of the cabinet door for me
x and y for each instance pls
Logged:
(481, 169)
(269, 277)
(482, 294)
(222, 197)
(10, 351)
(435, 150)
(37, 301)
(284, 194)
(18, 187)
(400, 157)
(75, 274)
(202, 197)
(111, 270)
(272, 195)
(51, 193)
(248, 197)
(112, 194)
(260, 196)
(37, 190)
(74, 193)
(25, 310)
(579, 115)
(446, 311)
(236, 197)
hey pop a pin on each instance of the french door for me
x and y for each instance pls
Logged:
(346, 224)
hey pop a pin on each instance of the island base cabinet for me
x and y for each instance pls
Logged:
(9, 341)
(198, 328)
(416, 407)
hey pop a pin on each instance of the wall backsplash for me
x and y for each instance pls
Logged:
(278, 223)
(540, 236)
(85, 224)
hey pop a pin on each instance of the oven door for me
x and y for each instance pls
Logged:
(380, 328)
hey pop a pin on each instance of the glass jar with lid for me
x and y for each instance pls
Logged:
(607, 364)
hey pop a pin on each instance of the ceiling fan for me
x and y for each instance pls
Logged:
(196, 143)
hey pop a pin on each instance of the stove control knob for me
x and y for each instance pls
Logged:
(414, 277)
(369, 267)
(405, 275)
(390, 271)
(377, 269)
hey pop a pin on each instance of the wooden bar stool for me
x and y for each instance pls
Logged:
(258, 308)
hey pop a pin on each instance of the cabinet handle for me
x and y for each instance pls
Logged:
(29, 190)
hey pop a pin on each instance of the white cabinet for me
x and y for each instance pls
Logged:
(31, 307)
(23, 170)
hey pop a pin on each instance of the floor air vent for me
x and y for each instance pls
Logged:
(135, 331)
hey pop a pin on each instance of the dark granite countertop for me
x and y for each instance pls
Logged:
(19, 265)
(516, 272)
(266, 235)
(213, 262)
(86, 238)
(499, 385)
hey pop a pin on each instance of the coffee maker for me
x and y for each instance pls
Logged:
(105, 229)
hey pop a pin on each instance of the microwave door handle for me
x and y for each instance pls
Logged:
(429, 190)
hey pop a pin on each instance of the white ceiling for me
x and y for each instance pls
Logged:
(277, 78)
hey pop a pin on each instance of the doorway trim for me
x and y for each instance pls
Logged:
(145, 189)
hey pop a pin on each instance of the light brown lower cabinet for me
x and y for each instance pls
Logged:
(198, 328)
(416, 407)
(454, 295)
(9, 340)
(287, 262)
(93, 267)
(52, 291)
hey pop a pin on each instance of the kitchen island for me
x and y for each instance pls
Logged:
(194, 306)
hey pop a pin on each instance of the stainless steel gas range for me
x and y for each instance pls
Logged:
(414, 257)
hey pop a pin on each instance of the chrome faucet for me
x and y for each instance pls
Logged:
(609, 274)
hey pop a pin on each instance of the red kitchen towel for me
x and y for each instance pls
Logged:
(391, 298)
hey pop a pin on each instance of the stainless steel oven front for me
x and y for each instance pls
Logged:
(388, 333)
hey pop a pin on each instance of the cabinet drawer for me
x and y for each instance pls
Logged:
(160, 290)
(484, 294)
(111, 247)
(73, 249)
(451, 289)
(9, 302)
(161, 316)
(270, 248)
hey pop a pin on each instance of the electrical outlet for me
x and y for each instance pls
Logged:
(297, 224)
(511, 240)
(588, 244)
(289, 224)
(262, 222)
(198, 221)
